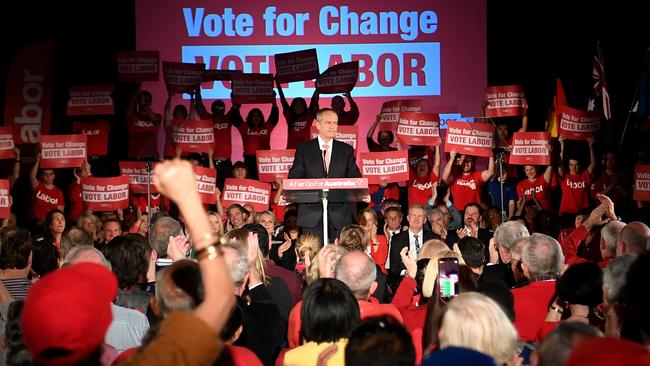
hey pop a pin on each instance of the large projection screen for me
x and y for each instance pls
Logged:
(433, 50)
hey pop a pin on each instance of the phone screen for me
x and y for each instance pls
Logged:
(448, 278)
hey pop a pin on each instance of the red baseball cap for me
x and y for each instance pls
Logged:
(67, 313)
(608, 351)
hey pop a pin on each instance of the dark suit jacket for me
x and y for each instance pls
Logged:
(264, 331)
(400, 241)
(308, 163)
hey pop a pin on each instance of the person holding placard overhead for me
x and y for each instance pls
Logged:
(299, 117)
(465, 185)
(324, 157)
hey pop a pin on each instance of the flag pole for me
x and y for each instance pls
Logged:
(629, 112)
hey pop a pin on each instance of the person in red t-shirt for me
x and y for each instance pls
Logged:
(537, 187)
(575, 185)
(172, 119)
(223, 123)
(299, 118)
(423, 179)
(256, 134)
(74, 191)
(465, 185)
(47, 196)
(611, 182)
(346, 118)
(380, 192)
(143, 124)
(503, 139)
(384, 139)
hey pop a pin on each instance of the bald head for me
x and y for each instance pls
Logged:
(633, 238)
(357, 270)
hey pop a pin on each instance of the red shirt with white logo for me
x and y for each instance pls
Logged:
(466, 188)
(418, 153)
(256, 138)
(142, 134)
(76, 201)
(45, 200)
(222, 135)
(542, 190)
(97, 132)
(575, 192)
(299, 130)
(156, 203)
(419, 190)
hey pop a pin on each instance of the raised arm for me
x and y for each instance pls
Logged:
(488, 173)
(133, 100)
(33, 179)
(592, 157)
(446, 174)
(192, 114)
(313, 103)
(354, 108)
(560, 167)
(15, 174)
(283, 99)
(274, 116)
(200, 107)
(436, 161)
(234, 114)
(167, 112)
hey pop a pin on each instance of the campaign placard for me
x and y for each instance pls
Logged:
(390, 165)
(390, 110)
(219, 75)
(530, 148)
(62, 151)
(5, 207)
(641, 183)
(347, 134)
(206, 184)
(138, 65)
(329, 183)
(296, 66)
(252, 88)
(419, 129)
(6, 143)
(182, 77)
(274, 163)
(193, 136)
(139, 178)
(505, 101)
(245, 191)
(475, 139)
(97, 135)
(576, 124)
(340, 78)
(105, 194)
(90, 100)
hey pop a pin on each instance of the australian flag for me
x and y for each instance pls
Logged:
(600, 95)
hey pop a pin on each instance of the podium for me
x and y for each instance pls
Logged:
(335, 190)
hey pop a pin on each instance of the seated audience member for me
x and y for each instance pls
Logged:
(504, 238)
(633, 238)
(377, 243)
(579, 292)
(328, 315)
(284, 254)
(633, 302)
(74, 237)
(16, 263)
(413, 238)
(380, 341)
(307, 246)
(614, 276)
(475, 321)
(110, 229)
(45, 259)
(168, 241)
(88, 223)
(237, 216)
(542, 263)
(53, 228)
(472, 217)
(557, 345)
(263, 327)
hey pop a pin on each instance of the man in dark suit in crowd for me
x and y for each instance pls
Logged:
(413, 238)
(324, 157)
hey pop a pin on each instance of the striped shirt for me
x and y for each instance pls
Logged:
(17, 287)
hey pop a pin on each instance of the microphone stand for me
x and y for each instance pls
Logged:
(499, 159)
(148, 164)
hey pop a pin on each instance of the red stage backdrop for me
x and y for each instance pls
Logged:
(429, 50)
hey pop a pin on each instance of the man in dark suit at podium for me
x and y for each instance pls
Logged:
(324, 157)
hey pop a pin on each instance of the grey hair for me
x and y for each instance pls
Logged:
(557, 345)
(542, 255)
(359, 278)
(319, 114)
(609, 233)
(162, 229)
(509, 232)
(615, 274)
(240, 268)
(77, 254)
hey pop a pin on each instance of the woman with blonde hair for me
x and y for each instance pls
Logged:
(307, 247)
(473, 320)
(431, 273)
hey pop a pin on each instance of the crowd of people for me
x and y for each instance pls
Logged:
(551, 260)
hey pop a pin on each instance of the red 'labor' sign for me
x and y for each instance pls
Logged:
(105, 194)
(274, 163)
(641, 183)
(296, 66)
(138, 65)
(206, 184)
(5, 207)
(390, 165)
(245, 191)
(340, 78)
(530, 148)
(193, 136)
(182, 77)
(252, 88)
(97, 134)
(505, 101)
(419, 129)
(389, 116)
(6, 143)
(578, 125)
(470, 138)
(62, 151)
(139, 178)
(89, 100)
